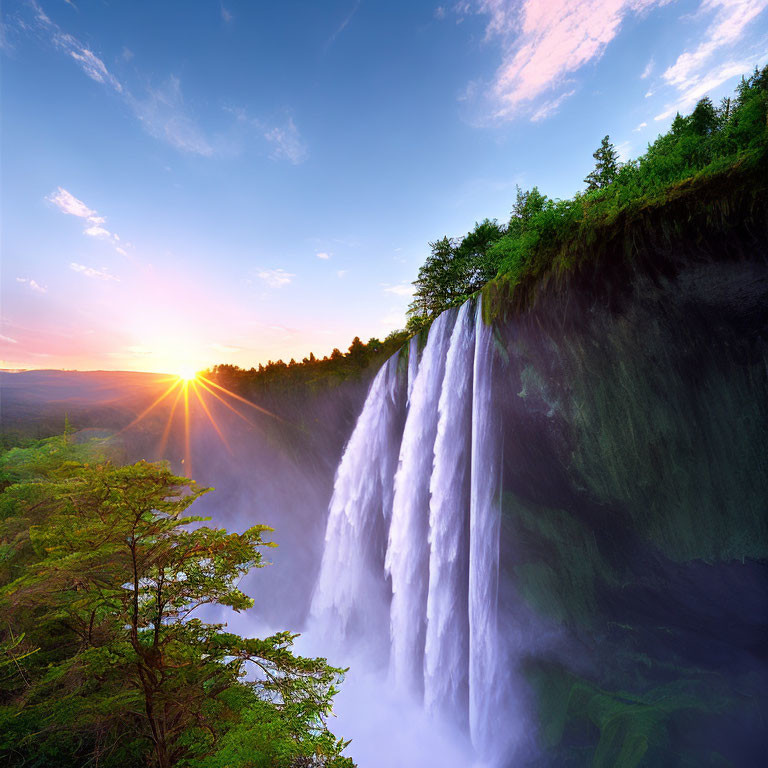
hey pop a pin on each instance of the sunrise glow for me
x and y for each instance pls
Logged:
(187, 373)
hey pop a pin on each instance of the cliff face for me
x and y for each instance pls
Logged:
(552, 515)
(634, 541)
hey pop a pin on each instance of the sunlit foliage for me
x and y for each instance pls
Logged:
(104, 657)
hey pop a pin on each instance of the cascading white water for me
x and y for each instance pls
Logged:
(446, 684)
(483, 545)
(413, 364)
(407, 559)
(351, 590)
(427, 492)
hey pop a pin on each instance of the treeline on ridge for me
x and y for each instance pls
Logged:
(312, 373)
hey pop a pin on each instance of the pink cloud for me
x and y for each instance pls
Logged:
(732, 18)
(547, 40)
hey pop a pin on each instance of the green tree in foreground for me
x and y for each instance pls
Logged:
(103, 572)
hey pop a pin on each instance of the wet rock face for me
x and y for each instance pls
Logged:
(635, 517)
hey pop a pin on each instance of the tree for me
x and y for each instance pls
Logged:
(704, 118)
(438, 280)
(606, 166)
(473, 262)
(724, 113)
(356, 350)
(527, 205)
(119, 572)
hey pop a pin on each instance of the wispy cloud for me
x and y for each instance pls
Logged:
(648, 69)
(344, 23)
(275, 278)
(67, 203)
(549, 108)
(340, 273)
(439, 12)
(703, 84)
(719, 56)
(226, 348)
(640, 127)
(96, 274)
(623, 150)
(163, 114)
(286, 142)
(88, 61)
(32, 284)
(401, 289)
(97, 231)
(160, 110)
(323, 255)
(8, 339)
(546, 41)
(731, 19)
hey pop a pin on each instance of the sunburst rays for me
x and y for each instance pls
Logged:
(195, 393)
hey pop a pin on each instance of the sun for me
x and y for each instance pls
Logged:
(190, 391)
(187, 373)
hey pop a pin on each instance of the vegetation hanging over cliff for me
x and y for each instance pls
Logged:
(709, 144)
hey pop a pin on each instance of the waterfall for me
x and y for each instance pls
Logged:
(416, 499)
(446, 648)
(413, 363)
(483, 544)
(407, 558)
(351, 590)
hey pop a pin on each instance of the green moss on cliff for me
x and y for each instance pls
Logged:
(665, 438)
(562, 569)
(586, 725)
(651, 234)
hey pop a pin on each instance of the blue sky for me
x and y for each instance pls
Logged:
(197, 182)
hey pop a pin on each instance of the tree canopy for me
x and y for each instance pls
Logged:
(105, 657)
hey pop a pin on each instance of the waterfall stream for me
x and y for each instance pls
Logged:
(407, 558)
(351, 587)
(413, 527)
(446, 647)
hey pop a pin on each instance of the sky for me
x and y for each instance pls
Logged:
(191, 183)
